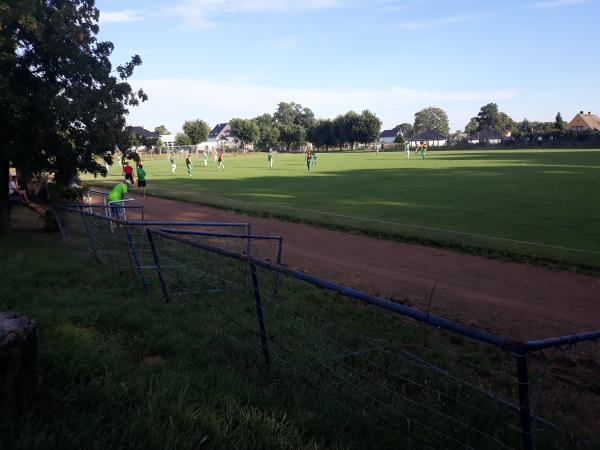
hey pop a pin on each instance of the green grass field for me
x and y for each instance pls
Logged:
(546, 200)
(120, 369)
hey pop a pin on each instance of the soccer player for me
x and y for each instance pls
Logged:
(220, 160)
(188, 164)
(172, 160)
(270, 158)
(407, 149)
(205, 158)
(128, 171)
(308, 159)
(141, 176)
(423, 151)
(314, 158)
(116, 195)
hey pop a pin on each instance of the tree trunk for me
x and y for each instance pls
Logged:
(4, 212)
(18, 355)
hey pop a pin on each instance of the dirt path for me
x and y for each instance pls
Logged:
(513, 299)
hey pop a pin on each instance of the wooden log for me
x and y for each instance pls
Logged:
(18, 356)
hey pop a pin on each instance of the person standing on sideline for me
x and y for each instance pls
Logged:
(172, 161)
(188, 164)
(220, 161)
(141, 176)
(205, 158)
(116, 195)
(270, 158)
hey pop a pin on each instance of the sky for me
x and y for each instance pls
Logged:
(219, 59)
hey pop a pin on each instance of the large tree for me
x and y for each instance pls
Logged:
(63, 104)
(367, 128)
(246, 131)
(293, 113)
(291, 135)
(197, 130)
(490, 117)
(320, 134)
(268, 136)
(432, 118)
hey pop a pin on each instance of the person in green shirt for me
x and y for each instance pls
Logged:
(116, 195)
(141, 176)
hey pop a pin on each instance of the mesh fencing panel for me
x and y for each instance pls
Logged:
(408, 379)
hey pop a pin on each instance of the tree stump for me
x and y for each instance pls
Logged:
(18, 355)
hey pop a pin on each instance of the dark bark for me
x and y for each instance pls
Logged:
(18, 362)
(4, 209)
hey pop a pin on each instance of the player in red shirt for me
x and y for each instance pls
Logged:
(128, 171)
(220, 161)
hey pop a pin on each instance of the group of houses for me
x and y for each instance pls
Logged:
(581, 122)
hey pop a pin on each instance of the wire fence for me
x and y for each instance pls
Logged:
(409, 379)
(111, 240)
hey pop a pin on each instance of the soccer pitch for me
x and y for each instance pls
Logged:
(533, 203)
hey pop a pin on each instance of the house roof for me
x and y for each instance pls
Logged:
(591, 120)
(217, 130)
(141, 131)
(485, 135)
(389, 133)
(428, 135)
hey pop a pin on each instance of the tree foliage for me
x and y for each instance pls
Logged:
(432, 118)
(293, 113)
(182, 139)
(320, 134)
(490, 117)
(246, 131)
(161, 130)
(197, 130)
(407, 130)
(291, 135)
(367, 127)
(63, 106)
(559, 123)
(268, 135)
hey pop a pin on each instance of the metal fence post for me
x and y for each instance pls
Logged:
(90, 236)
(524, 408)
(60, 227)
(163, 285)
(136, 258)
(259, 314)
(277, 274)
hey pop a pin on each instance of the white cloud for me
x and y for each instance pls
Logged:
(551, 4)
(435, 23)
(200, 14)
(287, 42)
(172, 101)
(391, 8)
(125, 15)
